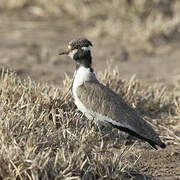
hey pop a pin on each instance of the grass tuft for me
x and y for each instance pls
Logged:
(43, 136)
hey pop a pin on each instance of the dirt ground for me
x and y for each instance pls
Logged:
(30, 47)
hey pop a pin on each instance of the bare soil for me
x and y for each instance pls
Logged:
(30, 47)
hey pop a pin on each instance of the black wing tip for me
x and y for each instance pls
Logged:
(153, 144)
(163, 145)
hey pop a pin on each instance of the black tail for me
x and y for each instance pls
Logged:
(152, 143)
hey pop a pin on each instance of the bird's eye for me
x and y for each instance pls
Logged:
(75, 47)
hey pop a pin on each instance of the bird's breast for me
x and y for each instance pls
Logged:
(82, 75)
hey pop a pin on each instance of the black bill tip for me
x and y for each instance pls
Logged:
(62, 53)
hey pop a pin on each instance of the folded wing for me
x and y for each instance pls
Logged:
(115, 111)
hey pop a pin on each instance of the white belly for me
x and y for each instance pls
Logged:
(83, 109)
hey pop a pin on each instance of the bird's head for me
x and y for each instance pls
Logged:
(80, 51)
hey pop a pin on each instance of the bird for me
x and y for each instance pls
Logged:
(99, 103)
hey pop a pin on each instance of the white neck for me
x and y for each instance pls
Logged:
(82, 75)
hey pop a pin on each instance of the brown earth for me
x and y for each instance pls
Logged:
(30, 47)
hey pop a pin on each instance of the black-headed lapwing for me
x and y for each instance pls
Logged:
(98, 102)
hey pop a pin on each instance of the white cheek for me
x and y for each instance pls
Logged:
(72, 53)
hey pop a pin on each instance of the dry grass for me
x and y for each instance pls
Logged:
(150, 22)
(43, 136)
